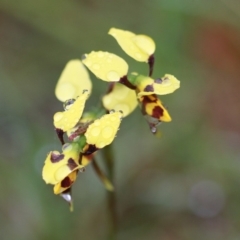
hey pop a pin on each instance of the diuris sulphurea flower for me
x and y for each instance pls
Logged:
(90, 131)
(131, 89)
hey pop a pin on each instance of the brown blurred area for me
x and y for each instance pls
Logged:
(181, 186)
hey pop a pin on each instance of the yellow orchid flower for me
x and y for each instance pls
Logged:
(59, 165)
(139, 47)
(93, 130)
(67, 182)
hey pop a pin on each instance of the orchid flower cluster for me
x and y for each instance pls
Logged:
(88, 132)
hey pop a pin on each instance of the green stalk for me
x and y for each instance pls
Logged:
(111, 197)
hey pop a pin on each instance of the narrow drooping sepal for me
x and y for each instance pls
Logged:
(106, 66)
(103, 131)
(139, 47)
(68, 119)
(106, 182)
(120, 98)
(73, 80)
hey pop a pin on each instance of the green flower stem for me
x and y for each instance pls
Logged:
(111, 197)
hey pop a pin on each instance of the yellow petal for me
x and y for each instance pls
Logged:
(65, 183)
(106, 66)
(103, 131)
(59, 165)
(73, 80)
(147, 86)
(68, 119)
(139, 47)
(166, 85)
(120, 98)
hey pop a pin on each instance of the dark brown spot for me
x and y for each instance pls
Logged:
(56, 157)
(158, 80)
(91, 149)
(71, 164)
(149, 99)
(66, 182)
(146, 100)
(157, 112)
(148, 88)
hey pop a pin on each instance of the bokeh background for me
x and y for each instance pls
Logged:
(182, 186)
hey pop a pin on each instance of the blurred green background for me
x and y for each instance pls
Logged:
(182, 186)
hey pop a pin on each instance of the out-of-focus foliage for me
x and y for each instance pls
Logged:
(182, 186)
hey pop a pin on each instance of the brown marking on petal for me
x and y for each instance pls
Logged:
(80, 130)
(66, 182)
(146, 100)
(56, 157)
(148, 88)
(157, 112)
(150, 99)
(71, 164)
(91, 149)
(158, 80)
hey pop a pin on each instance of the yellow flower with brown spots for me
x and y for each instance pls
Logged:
(61, 167)
(129, 90)
(90, 131)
